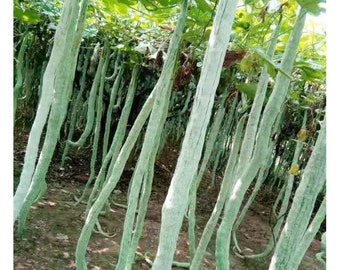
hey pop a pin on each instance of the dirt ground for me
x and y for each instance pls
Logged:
(54, 223)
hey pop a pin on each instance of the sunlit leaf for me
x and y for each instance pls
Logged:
(247, 88)
(127, 2)
(271, 70)
(90, 31)
(166, 3)
(242, 20)
(295, 95)
(28, 16)
(311, 6)
(246, 63)
(122, 9)
(118, 6)
(268, 61)
(198, 17)
(48, 8)
(311, 71)
(203, 5)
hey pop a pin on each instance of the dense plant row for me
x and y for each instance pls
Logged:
(241, 89)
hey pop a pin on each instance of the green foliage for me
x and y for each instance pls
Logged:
(311, 6)
(34, 13)
(49, 8)
(247, 88)
(140, 31)
(270, 63)
(311, 71)
(28, 16)
(203, 5)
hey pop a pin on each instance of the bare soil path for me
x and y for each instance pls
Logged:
(54, 223)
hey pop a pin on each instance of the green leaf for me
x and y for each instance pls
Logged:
(169, 3)
(203, 5)
(271, 70)
(127, 2)
(247, 88)
(198, 17)
(311, 71)
(311, 6)
(122, 9)
(312, 74)
(28, 16)
(90, 31)
(48, 8)
(295, 95)
(269, 62)
(118, 6)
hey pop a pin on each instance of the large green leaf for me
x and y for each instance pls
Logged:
(203, 5)
(269, 62)
(118, 6)
(49, 8)
(167, 3)
(311, 6)
(127, 2)
(311, 71)
(28, 16)
(247, 88)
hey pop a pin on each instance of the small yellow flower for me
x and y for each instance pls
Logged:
(294, 170)
(302, 135)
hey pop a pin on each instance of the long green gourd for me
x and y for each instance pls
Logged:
(61, 95)
(176, 202)
(29, 79)
(285, 201)
(117, 57)
(34, 137)
(113, 95)
(153, 133)
(127, 247)
(321, 256)
(270, 113)
(145, 194)
(43, 69)
(111, 182)
(287, 254)
(19, 67)
(118, 137)
(56, 90)
(255, 113)
(186, 103)
(309, 235)
(142, 209)
(211, 139)
(102, 68)
(222, 196)
(259, 181)
(222, 141)
(209, 145)
(75, 93)
(258, 184)
(90, 115)
(75, 109)
(280, 170)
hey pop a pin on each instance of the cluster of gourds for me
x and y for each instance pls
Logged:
(218, 129)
